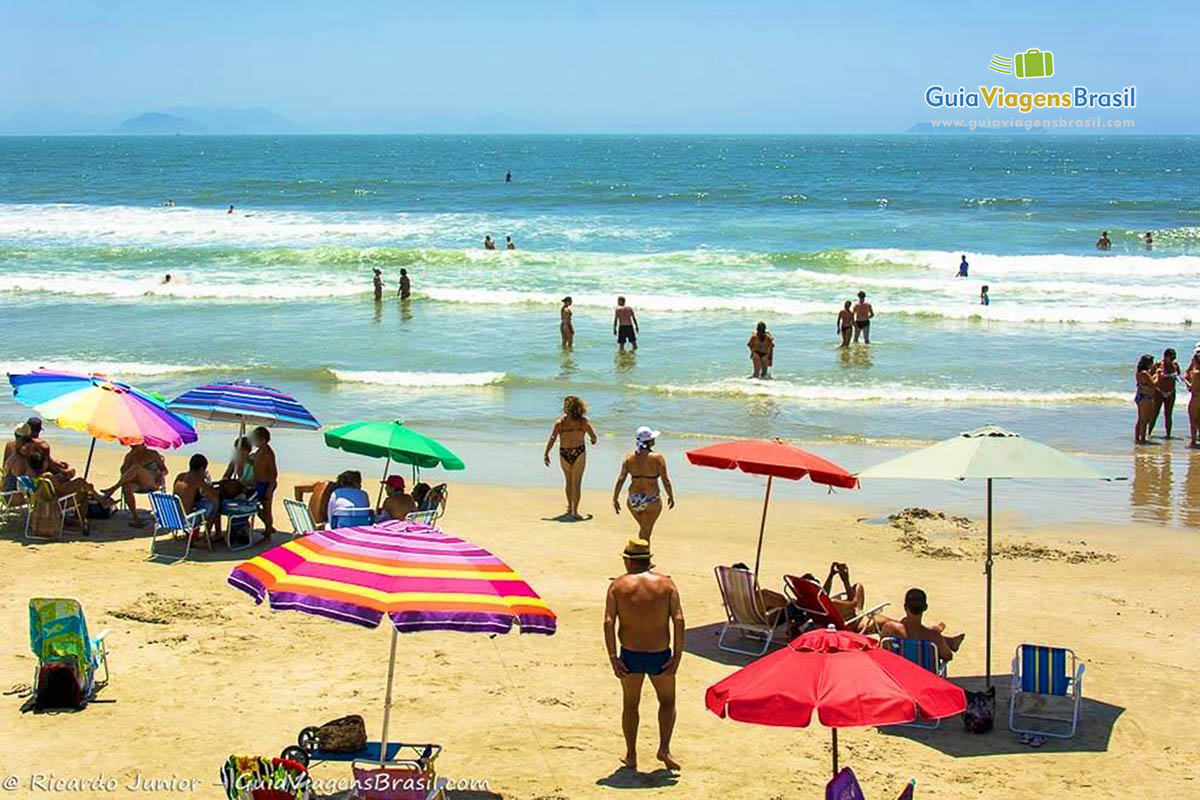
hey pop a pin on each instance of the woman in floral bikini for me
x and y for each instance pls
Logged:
(570, 430)
(645, 469)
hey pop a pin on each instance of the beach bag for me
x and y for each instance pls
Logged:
(59, 686)
(344, 735)
(981, 711)
(97, 510)
(47, 513)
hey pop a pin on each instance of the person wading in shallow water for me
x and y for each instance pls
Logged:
(642, 611)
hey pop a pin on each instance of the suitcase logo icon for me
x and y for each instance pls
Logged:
(1033, 63)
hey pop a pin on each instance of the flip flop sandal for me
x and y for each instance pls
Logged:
(1037, 741)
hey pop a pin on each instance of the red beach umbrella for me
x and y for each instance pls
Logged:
(775, 460)
(846, 678)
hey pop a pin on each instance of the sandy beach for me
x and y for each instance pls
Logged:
(200, 672)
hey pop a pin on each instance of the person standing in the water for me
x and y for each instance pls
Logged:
(230, 211)
(508, 176)
(509, 244)
(984, 300)
(863, 312)
(845, 323)
(1104, 243)
(963, 266)
(488, 244)
(625, 324)
(405, 289)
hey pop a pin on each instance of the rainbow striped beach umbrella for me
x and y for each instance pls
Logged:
(420, 577)
(244, 402)
(105, 408)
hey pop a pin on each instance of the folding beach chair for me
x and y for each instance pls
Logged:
(39, 491)
(170, 519)
(844, 786)
(409, 778)
(925, 655)
(423, 517)
(302, 521)
(1049, 676)
(744, 611)
(261, 778)
(14, 502)
(811, 598)
(68, 657)
(351, 517)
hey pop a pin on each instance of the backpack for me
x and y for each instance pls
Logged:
(981, 711)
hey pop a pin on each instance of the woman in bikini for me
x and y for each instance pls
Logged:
(1191, 379)
(1143, 398)
(762, 351)
(566, 328)
(571, 430)
(1164, 398)
(645, 468)
(143, 470)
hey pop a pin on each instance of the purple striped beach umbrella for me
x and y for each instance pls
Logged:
(420, 578)
(245, 402)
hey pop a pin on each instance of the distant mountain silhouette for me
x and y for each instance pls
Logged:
(236, 120)
(156, 122)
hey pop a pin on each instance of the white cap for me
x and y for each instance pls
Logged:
(645, 434)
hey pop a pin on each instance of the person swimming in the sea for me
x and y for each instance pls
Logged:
(645, 469)
(1104, 243)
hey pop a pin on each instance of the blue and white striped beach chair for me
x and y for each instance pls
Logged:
(924, 654)
(170, 519)
(1049, 676)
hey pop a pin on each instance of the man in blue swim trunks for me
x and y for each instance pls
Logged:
(642, 611)
(196, 492)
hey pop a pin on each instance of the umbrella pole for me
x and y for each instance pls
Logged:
(383, 480)
(987, 571)
(762, 526)
(387, 702)
(87, 467)
(835, 769)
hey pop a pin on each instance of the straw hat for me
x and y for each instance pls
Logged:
(637, 550)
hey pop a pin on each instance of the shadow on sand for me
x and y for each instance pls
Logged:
(628, 778)
(701, 642)
(1096, 723)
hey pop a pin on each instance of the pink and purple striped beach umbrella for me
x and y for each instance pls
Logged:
(419, 577)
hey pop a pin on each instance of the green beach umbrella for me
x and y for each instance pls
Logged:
(394, 441)
(988, 453)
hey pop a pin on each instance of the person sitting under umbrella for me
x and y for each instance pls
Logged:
(398, 504)
(143, 470)
(349, 504)
(266, 477)
(196, 492)
(912, 626)
(59, 468)
(241, 466)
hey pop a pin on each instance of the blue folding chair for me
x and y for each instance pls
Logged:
(1048, 676)
(925, 655)
(169, 519)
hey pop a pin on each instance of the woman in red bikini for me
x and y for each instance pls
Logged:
(571, 430)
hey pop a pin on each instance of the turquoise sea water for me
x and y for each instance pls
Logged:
(705, 235)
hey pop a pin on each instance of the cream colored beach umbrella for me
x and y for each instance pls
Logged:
(988, 453)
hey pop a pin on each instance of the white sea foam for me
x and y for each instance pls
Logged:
(63, 223)
(886, 393)
(419, 380)
(115, 369)
(1117, 265)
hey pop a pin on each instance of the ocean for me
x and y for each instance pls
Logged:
(706, 235)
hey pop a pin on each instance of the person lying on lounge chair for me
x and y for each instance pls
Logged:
(912, 626)
(143, 470)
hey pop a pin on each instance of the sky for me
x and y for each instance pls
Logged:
(579, 65)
